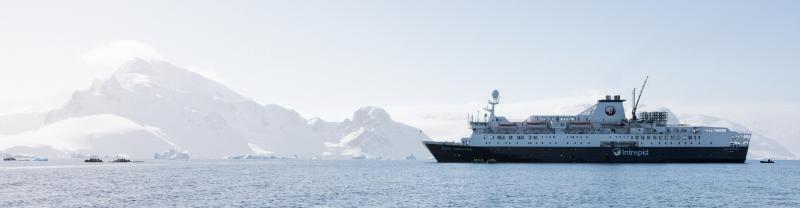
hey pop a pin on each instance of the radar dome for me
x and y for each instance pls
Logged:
(495, 94)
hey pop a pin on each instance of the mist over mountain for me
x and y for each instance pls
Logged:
(159, 106)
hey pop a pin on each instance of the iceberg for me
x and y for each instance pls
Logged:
(172, 154)
(39, 159)
(251, 157)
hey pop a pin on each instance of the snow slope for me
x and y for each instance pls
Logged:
(209, 120)
(102, 134)
(373, 133)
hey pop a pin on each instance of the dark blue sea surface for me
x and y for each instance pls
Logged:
(365, 183)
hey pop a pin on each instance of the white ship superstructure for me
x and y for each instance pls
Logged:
(603, 123)
(603, 127)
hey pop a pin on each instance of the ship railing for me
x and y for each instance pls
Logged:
(553, 118)
(477, 123)
(539, 131)
(741, 139)
(713, 129)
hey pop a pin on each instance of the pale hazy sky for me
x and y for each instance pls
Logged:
(327, 58)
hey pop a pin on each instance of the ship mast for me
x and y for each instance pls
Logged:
(637, 99)
(494, 101)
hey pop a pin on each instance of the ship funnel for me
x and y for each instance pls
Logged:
(616, 97)
(608, 97)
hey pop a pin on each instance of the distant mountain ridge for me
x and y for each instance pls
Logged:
(189, 112)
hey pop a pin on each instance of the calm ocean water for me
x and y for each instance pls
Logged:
(226, 183)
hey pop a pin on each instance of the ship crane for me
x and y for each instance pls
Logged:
(637, 99)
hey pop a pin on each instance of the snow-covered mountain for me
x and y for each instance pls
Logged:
(157, 101)
(373, 133)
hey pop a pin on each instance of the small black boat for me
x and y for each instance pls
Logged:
(118, 160)
(768, 161)
(93, 159)
(9, 159)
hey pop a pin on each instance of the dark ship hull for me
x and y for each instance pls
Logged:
(445, 152)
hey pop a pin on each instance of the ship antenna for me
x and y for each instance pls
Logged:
(494, 101)
(637, 99)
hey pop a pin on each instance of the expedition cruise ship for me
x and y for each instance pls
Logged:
(600, 134)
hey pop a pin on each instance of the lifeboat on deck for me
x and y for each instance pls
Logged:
(507, 125)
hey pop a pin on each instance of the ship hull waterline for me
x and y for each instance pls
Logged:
(457, 153)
